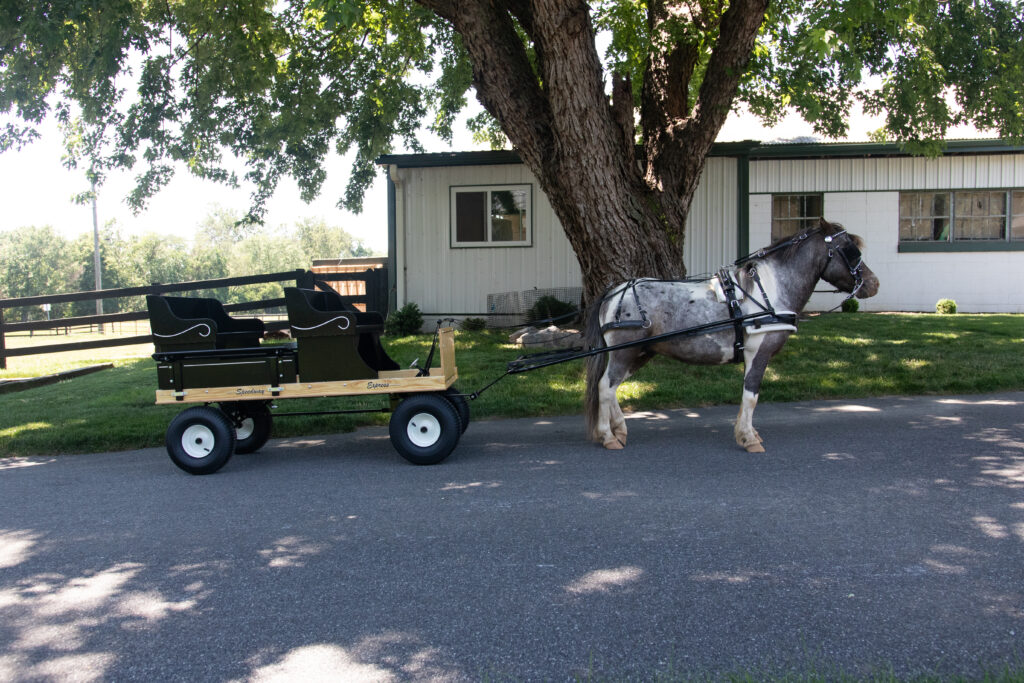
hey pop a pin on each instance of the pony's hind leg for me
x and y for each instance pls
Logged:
(611, 423)
(607, 413)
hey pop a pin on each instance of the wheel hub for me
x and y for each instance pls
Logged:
(198, 441)
(245, 428)
(424, 430)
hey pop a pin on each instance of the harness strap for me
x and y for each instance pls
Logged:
(618, 323)
(735, 313)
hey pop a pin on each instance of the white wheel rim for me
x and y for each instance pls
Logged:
(198, 441)
(423, 430)
(245, 429)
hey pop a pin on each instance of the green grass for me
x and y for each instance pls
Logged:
(833, 356)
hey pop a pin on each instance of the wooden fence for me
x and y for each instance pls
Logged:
(374, 298)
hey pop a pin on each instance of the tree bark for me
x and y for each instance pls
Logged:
(624, 217)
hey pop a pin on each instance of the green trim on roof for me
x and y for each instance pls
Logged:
(749, 148)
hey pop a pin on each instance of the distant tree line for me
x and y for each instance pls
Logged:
(36, 261)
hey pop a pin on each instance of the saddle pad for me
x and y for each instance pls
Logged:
(771, 327)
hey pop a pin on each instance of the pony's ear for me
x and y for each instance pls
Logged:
(822, 223)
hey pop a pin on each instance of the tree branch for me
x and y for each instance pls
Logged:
(726, 67)
(503, 77)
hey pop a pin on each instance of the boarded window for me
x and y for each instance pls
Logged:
(924, 216)
(1017, 219)
(962, 216)
(794, 213)
(980, 216)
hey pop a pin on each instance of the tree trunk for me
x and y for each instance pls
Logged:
(624, 217)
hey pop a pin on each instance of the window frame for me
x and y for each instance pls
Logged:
(820, 196)
(455, 190)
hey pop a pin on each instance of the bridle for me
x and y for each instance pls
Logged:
(847, 250)
(852, 257)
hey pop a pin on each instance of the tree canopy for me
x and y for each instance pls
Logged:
(279, 83)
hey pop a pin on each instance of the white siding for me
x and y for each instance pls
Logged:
(444, 280)
(863, 194)
(980, 282)
(884, 174)
(712, 224)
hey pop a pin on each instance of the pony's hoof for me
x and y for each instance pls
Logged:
(620, 437)
(614, 445)
(754, 448)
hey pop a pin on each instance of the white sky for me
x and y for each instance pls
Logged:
(35, 188)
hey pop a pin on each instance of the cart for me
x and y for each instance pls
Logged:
(205, 356)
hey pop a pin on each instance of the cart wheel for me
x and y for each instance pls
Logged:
(425, 428)
(253, 424)
(200, 440)
(461, 405)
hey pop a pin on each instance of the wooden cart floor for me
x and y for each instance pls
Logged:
(387, 382)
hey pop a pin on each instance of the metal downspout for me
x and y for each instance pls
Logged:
(396, 223)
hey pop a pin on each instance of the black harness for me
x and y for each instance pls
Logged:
(847, 251)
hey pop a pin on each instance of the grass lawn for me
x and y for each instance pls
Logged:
(833, 356)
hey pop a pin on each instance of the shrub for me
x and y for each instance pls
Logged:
(405, 321)
(473, 324)
(850, 305)
(945, 306)
(551, 308)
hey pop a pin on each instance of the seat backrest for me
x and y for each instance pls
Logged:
(317, 314)
(173, 314)
(172, 331)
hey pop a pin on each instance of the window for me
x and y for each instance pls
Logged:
(1017, 217)
(962, 216)
(924, 216)
(491, 216)
(794, 213)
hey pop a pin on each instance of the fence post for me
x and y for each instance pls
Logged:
(378, 280)
(3, 347)
(305, 279)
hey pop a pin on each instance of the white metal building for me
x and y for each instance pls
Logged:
(467, 224)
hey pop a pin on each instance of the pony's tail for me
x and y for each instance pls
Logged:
(596, 366)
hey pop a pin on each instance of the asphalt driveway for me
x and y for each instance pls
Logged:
(874, 535)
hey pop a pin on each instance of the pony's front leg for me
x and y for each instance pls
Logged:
(746, 435)
(758, 351)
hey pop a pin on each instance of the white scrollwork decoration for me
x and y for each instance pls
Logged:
(178, 334)
(348, 323)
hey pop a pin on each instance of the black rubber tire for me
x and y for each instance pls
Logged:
(425, 428)
(200, 440)
(253, 424)
(461, 405)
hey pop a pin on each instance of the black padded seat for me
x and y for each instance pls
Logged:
(335, 340)
(183, 323)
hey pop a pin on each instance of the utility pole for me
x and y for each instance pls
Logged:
(96, 254)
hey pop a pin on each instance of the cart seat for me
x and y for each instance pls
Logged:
(336, 341)
(184, 324)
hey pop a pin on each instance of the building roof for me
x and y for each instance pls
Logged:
(750, 148)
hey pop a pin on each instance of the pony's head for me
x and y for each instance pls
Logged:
(844, 265)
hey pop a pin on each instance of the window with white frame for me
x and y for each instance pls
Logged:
(962, 216)
(794, 213)
(491, 216)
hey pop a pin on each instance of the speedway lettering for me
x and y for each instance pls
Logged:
(242, 392)
(378, 385)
